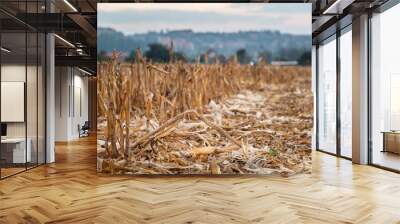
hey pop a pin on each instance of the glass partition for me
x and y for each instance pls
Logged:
(327, 96)
(346, 93)
(14, 155)
(22, 77)
(385, 89)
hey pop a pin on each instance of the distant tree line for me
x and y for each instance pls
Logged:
(162, 54)
(194, 44)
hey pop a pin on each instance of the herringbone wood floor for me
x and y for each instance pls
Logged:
(70, 191)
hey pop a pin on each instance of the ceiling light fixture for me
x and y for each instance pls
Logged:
(65, 41)
(337, 7)
(5, 50)
(334, 5)
(86, 72)
(70, 5)
(80, 51)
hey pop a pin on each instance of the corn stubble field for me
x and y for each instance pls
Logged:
(181, 118)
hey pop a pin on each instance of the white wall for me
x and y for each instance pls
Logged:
(70, 83)
(62, 82)
(12, 73)
(79, 117)
(33, 126)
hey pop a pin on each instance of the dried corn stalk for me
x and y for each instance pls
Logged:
(181, 118)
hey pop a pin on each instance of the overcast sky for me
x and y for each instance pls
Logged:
(133, 18)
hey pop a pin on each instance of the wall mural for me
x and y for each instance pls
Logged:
(179, 93)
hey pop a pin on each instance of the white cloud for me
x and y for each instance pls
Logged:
(222, 8)
(217, 17)
(197, 7)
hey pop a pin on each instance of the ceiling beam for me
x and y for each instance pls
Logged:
(84, 24)
(77, 61)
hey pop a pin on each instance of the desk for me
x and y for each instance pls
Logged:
(391, 141)
(13, 150)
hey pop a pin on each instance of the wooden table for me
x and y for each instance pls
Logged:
(391, 141)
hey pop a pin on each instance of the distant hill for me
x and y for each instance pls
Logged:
(280, 46)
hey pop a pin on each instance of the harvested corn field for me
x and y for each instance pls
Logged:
(181, 118)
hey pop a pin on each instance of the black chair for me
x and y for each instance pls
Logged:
(84, 130)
